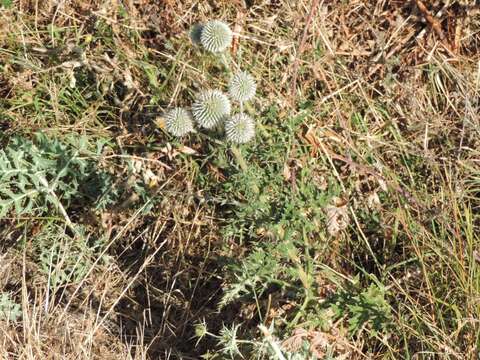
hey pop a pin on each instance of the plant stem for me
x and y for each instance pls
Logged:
(272, 342)
(58, 204)
(239, 157)
(301, 310)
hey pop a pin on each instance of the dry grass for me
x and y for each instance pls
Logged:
(389, 94)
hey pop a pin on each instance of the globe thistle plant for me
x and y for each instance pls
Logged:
(242, 87)
(179, 122)
(210, 108)
(240, 128)
(216, 36)
(196, 33)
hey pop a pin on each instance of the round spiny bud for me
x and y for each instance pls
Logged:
(240, 128)
(210, 108)
(178, 122)
(196, 33)
(242, 87)
(216, 36)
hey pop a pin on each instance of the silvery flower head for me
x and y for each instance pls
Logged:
(216, 36)
(178, 122)
(242, 87)
(196, 33)
(240, 128)
(210, 108)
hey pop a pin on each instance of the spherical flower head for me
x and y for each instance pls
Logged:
(211, 108)
(178, 122)
(240, 128)
(196, 33)
(242, 87)
(216, 36)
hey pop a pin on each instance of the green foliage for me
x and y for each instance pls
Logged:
(263, 200)
(283, 223)
(365, 309)
(232, 346)
(36, 174)
(63, 259)
(228, 341)
(6, 4)
(256, 273)
(280, 218)
(9, 309)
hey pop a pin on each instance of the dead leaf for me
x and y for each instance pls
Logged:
(217, 174)
(160, 122)
(287, 174)
(294, 343)
(337, 216)
(150, 178)
(237, 30)
(373, 201)
(187, 150)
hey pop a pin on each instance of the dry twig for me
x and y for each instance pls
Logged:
(301, 48)
(434, 23)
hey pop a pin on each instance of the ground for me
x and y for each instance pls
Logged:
(347, 229)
